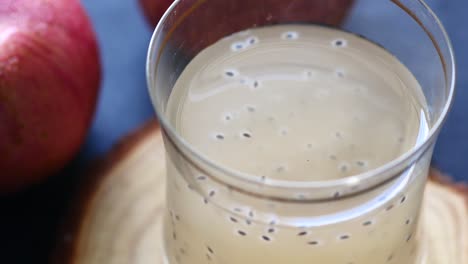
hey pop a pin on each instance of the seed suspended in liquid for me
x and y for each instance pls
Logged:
(344, 168)
(344, 237)
(250, 109)
(246, 135)
(210, 249)
(290, 35)
(182, 251)
(237, 46)
(339, 43)
(360, 163)
(230, 73)
(403, 199)
(252, 40)
(313, 243)
(339, 73)
(255, 84)
(390, 258)
(201, 178)
(409, 237)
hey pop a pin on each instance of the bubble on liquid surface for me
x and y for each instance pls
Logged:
(237, 46)
(290, 35)
(339, 43)
(252, 40)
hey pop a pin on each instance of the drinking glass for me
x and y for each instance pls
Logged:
(217, 215)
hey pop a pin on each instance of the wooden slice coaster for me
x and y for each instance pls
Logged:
(117, 216)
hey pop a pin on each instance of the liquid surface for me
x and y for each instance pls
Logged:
(298, 103)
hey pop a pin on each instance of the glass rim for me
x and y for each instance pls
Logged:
(348, 182)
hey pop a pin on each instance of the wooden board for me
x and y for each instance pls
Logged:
(117, 218)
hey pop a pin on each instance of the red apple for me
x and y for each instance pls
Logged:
(201, 24)
(49, 79)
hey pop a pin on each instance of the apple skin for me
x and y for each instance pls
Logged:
(203, 27)
(49, 80)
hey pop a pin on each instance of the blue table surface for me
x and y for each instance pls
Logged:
(29, 220)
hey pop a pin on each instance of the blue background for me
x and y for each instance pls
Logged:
(28, 220)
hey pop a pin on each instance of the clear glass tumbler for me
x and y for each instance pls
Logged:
(218, 215)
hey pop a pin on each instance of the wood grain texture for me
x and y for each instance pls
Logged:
(117, 218)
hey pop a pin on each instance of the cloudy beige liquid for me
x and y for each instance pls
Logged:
(302, 103)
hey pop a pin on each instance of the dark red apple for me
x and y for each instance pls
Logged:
(49, 80)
